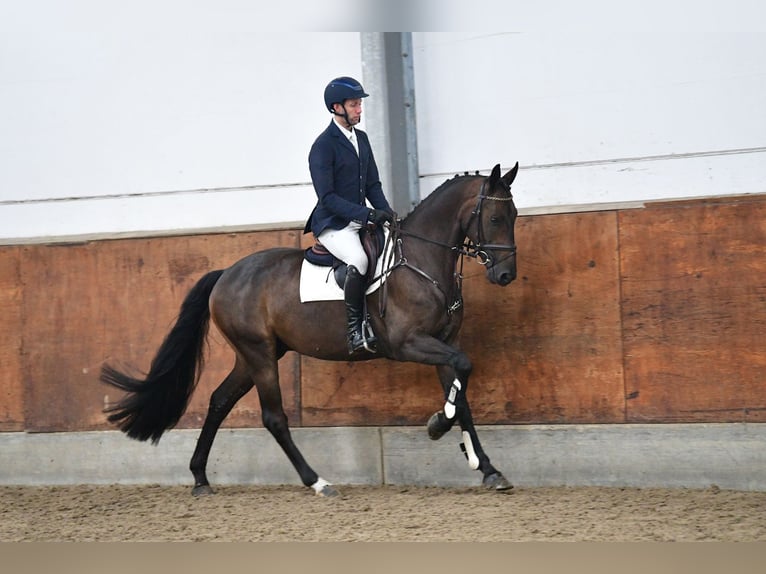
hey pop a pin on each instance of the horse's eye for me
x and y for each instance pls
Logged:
(494, 219)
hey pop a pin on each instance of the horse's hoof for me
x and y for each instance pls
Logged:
(202, 490)
(438, 425)
(328, 491)
(496, 482)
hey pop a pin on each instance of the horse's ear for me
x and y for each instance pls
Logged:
(494, 177)
(511, 175)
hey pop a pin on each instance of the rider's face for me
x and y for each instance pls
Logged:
(353, 109)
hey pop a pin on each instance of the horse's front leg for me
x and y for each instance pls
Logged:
(440, 423)
(454, 369)
(454, 386)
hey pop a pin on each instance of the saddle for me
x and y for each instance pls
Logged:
(373, 241)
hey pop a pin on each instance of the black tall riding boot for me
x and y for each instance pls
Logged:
(353, 294)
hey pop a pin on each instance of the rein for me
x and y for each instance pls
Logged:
(465, 249)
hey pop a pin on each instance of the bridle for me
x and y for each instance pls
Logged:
(479, 249)
(476, 250)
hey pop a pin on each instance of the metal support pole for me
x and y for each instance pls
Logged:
(387, 68)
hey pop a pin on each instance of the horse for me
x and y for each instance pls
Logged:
(416, 315)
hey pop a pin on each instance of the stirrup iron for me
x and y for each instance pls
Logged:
(368, 337)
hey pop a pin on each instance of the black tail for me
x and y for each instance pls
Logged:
(155, 404)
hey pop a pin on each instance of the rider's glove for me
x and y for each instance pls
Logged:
(380, 216)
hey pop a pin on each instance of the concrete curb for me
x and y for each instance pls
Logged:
(731, 456)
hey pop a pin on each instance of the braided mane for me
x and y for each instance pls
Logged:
(439, 190)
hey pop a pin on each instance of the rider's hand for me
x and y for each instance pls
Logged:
(380, 216)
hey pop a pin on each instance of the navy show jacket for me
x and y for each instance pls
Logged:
(343, 181)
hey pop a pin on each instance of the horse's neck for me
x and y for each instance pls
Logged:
(444, 229)
(440, 223)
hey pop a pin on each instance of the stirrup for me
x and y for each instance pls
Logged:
(368, 337)
(365, 340)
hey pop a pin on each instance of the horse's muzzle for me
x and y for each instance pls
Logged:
(501, 277)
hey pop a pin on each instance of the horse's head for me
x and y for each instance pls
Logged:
(491, 226)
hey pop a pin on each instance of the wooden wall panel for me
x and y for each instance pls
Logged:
(115, 301)
(652, 314)
(694, 311)
(11, 386)
(378, 392)
(545, 348)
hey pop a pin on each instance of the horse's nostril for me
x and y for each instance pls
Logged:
(506, 278)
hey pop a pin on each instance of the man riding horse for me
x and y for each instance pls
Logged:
(345, 177)
(256, 302)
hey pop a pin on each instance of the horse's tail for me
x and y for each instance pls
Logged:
(156, 403)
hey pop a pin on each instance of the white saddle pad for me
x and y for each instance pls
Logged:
(318, 283)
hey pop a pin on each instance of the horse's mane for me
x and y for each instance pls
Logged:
(436, 193)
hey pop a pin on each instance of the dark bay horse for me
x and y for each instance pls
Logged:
(255, 304)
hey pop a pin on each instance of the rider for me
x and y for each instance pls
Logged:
(344, 175)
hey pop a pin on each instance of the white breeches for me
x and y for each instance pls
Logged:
(345, 245)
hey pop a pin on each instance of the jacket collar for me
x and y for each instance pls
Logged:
(337, 132)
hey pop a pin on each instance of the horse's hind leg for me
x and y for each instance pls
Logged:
(264, 372)
(223, 399)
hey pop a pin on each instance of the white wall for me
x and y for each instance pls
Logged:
(605, 109)
(157, 118)
(148, 117)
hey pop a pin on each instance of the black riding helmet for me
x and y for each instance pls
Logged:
(341, 89)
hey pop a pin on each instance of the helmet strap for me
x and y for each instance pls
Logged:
(344, 115)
